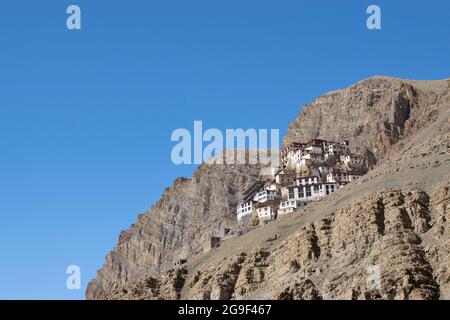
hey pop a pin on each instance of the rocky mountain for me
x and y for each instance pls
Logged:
(178, 225)
(373, 114)
(391, 226)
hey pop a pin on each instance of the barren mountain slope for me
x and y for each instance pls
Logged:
(176, 227)
(373, 114)
(394, 218)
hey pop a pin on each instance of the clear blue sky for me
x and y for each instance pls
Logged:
(86, 116)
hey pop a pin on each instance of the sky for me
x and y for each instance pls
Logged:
(86, 116)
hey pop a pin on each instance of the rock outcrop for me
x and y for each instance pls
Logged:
(167, 286)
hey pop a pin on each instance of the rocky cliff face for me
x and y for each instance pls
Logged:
(387, 244)
(176, 227)
(378, 238)
(373, 114)
(391, 227)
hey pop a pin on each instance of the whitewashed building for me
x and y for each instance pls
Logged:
(352, 159)
(272, 186)
(337, 148)
(322, 159)
(295, 155)
(342, 177)
(314, 149)
(266, 195)
(303, 181)
(345, 146)
(285, 178)
(337, 177)
(334, 149)
(289, 206)
(244, 210)
(353, 177)
(284, 192)
(266, 211)
(311, 192)
(291, 154)
(314, 157)
(322, 171)
(304, 162)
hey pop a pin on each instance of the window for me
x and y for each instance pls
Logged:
(308, 191)
(291, 194)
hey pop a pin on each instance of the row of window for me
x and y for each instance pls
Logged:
(308, 190)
